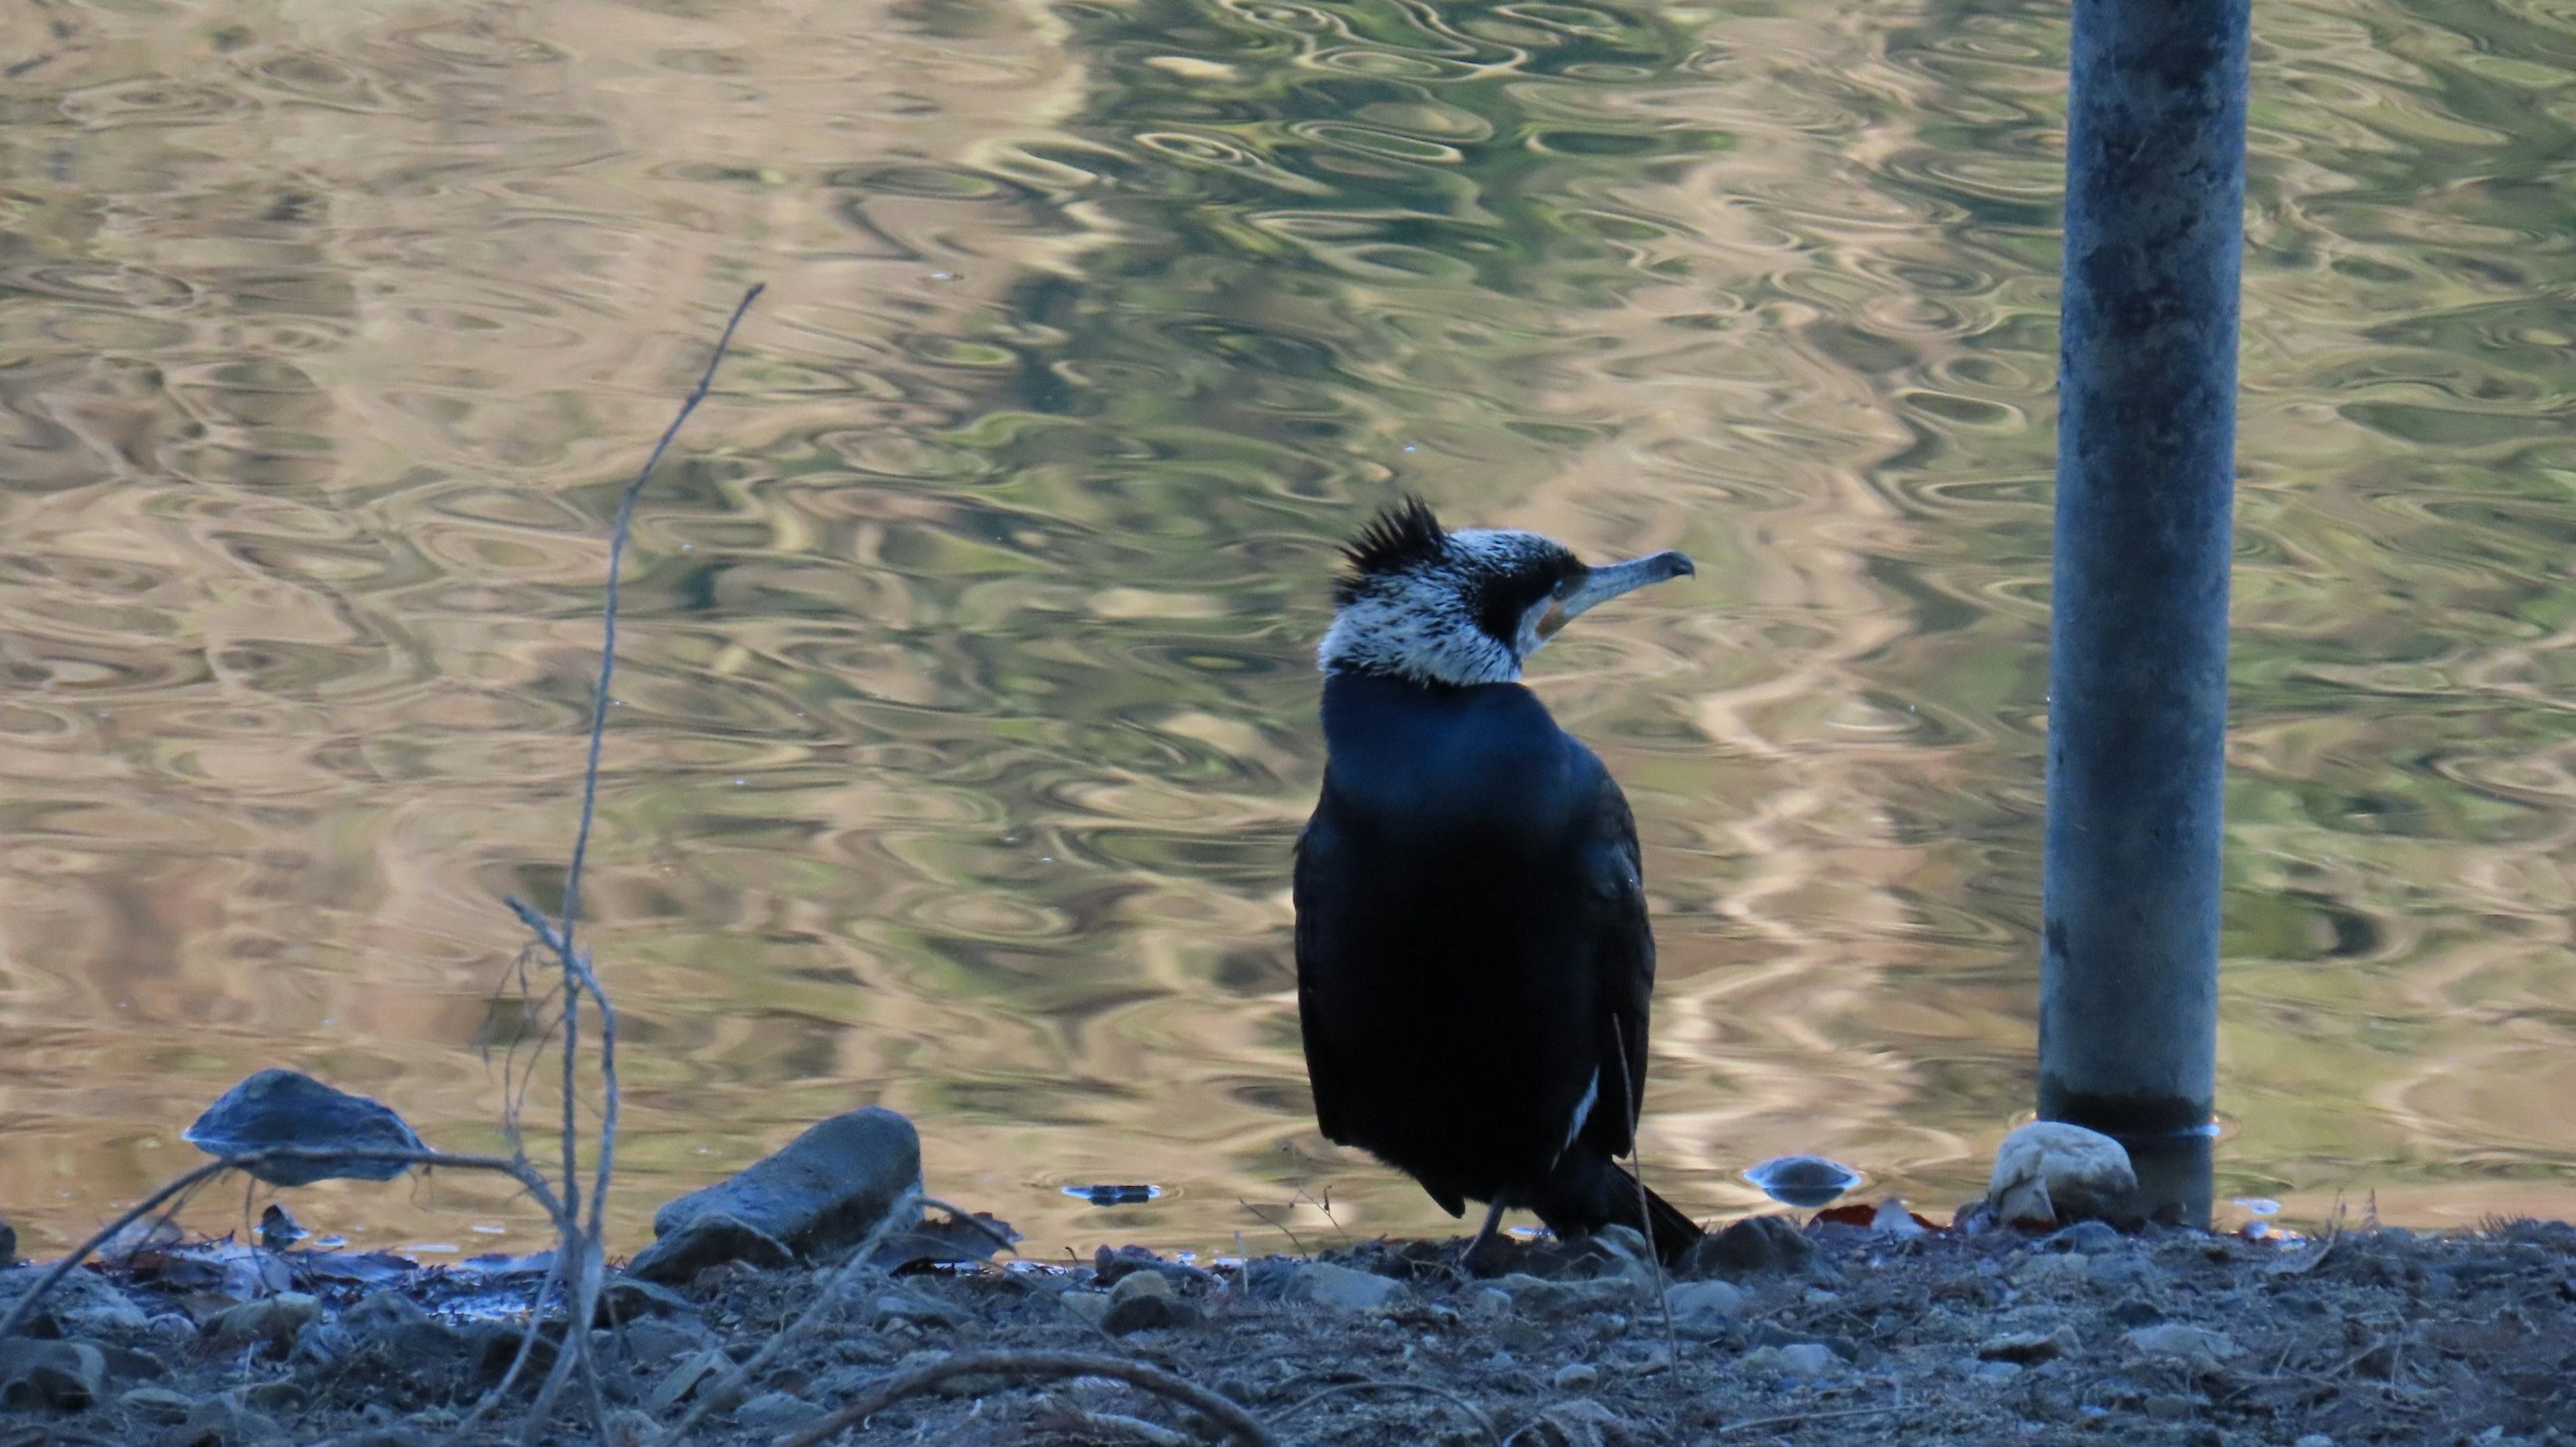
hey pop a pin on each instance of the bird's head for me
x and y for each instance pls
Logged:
(1424, 603)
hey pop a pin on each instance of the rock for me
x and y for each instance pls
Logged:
(2030, 1348)
(1137, 1285)
(223, 1421)
(2049, 1173)
(2086, 1237)
(271, 1320)
(631, 1298)
(829, 1187)
(1703, 1309)
(81, 1304)
(125, 1364)
(1577, 1422)
(1993, 1371)
(713, 1239)
(654, 1341)
(158, 1405)
(1343, 1289)
(1750, 1247)
(2196, 1347)
(893, 1307)
(1803, 1180)
(397, 1326)
(287, 1108)
(1576, 1377)
(2123, 1272)
(1090, 1306)
(2050, 1269)
(1559, 1300)
(322, 1343)
(707, 1366)
(64, 1376)
(776, 1412)
(1805, 1359)
(1489, 1301)
(1148, 1313)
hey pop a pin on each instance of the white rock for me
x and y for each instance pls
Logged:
(1576, 1377)
(2196, 1347)
(1806, 1359)
(2049, 1172)
(1702, 1309)
(1338, 1286)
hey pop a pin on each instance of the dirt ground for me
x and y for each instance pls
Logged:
(1828, 1334)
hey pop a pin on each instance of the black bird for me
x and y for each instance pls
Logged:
(1474, 966)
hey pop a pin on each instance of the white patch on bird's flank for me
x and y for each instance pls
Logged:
(1582, 1110)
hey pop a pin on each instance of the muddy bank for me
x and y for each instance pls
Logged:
(1821, 1333)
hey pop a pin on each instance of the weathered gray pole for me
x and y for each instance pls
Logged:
(2137, 713)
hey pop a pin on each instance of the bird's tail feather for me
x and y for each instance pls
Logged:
(1671, 1232)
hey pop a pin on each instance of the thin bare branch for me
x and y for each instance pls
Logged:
(1474, 1413)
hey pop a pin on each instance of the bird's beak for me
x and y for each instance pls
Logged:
(1608, 581)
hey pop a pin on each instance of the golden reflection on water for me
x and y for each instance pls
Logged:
(964, 715)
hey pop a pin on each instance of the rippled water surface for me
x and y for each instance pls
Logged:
(964, 721)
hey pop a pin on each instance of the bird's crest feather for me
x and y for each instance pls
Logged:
(1403, 536)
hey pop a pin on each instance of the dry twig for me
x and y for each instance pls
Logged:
(1474, 1413)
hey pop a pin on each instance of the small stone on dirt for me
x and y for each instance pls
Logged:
(1750, 1247)
(1343, 1289)
(1576, 1377)
(1704, 1309)
(2030, 1348)
(2193, 1346)
(158, 1405)
(776, 1412)
(273, 1320)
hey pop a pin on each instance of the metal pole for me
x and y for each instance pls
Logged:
(2137, 714)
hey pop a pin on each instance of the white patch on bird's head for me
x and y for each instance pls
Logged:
(1435, 606)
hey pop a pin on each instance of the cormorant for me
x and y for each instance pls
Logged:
(1474, 965)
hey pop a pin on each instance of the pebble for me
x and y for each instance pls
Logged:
(1576, 1377)
(272, 1320)
(1703, 1309)
(2194, 1346)
(776, 1412)
(828, 1187)
(1557, 1300)
(1344, 1289)
(2030, 1348)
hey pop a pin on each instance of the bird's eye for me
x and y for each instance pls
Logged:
(1564, 585)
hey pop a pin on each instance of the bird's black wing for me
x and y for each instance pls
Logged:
(1316, 848)
(1623, 961)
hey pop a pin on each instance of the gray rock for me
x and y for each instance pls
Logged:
(2086, 1237)
(1090, 1306)
(2122, 1272)
(271, 1320)
(1703, 1309)
(81, 1304)
(158, 1405)
(654, 1341)
(125, 1364)
(1805, 1359)
(712, 1239)
(2030, 1348)
(224, 1421)
(2049, 1173)
(904, 1307)
(776, 1412)
(322, 1343)
(630, 1298)
(707, 1367)
(64, 1376)
(2196, 1347)
(394, 1324)
(277, 1108)
(829, 1187)
(1343, 1289)
(1576, 1377)
(1560, 1300)
(1148, 1313)
(1750, 1247)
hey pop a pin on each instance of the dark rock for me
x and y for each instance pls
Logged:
(125, 1364)
(223, 1421)
(283, 1108)
(1750, 1247)
(829, 1187)
(1145, 1301)
(81, 1304)
(270, 1321)
(394, 1325)
(66, 1376)
(703, 1241)
(627, 1298)
(278, 1228)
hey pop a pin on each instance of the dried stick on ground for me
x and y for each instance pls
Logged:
(516, 1169)
(1237, 1422)
(582, 1252)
